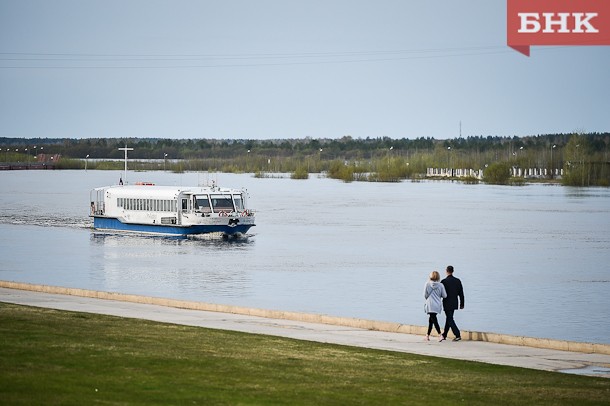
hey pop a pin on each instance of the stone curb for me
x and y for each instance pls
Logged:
(589, 348)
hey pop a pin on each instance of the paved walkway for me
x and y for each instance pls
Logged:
(502, 354)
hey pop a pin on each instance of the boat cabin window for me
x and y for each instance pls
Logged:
(239, 203)
(202, 204)
(185, 204)
(146, 204)
(222, 203)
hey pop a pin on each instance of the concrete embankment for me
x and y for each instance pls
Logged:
(589, 348)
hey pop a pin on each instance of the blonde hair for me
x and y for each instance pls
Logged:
(435, 276)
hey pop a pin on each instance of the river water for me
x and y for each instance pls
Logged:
(534, 260)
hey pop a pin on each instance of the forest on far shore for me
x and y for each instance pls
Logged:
(583, 157)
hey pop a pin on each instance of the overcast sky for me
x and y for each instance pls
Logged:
(287, 69)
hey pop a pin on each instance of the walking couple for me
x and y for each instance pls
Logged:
(441, 296)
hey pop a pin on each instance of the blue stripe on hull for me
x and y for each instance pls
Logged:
(105, 223)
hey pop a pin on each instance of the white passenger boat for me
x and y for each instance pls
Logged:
(171, 210)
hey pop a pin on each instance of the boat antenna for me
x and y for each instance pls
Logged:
(125, 149)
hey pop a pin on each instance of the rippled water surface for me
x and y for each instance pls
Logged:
(534, 260)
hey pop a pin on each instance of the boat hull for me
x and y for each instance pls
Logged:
(113, 224)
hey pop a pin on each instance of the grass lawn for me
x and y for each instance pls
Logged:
(56, 357)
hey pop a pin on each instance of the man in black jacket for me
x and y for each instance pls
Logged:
(454, 289)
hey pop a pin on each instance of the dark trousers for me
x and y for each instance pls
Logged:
(450, 324)
(433, 321)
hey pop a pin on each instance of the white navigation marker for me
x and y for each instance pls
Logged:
(125, 149)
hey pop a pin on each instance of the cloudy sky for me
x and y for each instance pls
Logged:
(287, 69)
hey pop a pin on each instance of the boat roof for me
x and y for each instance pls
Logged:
(147, 189)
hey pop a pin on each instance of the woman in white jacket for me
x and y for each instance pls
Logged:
(434, 293)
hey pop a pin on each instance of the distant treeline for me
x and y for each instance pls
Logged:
(348, 158)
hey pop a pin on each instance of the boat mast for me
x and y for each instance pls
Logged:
(125, 174)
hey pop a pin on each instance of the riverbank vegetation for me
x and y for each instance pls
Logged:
(583, 159)
(59, 357)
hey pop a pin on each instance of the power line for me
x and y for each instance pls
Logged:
(251, 55)
(84, 60)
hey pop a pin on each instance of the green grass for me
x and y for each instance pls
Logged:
(56, 357)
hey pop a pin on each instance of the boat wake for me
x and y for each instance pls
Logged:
(46, 221)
